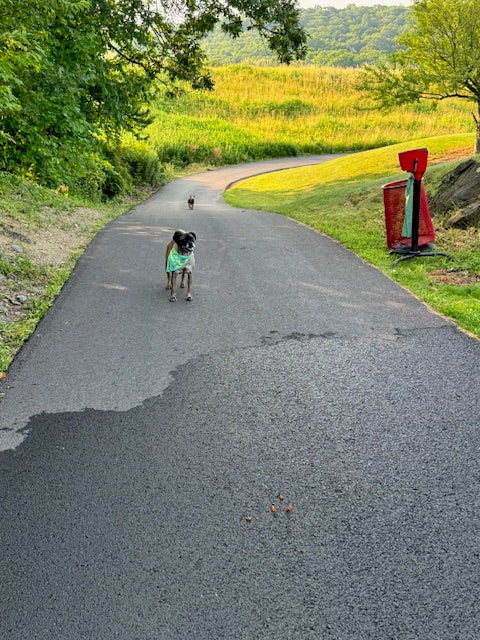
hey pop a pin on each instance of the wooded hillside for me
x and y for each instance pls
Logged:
(336, 37)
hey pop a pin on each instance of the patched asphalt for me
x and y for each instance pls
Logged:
(139, 435)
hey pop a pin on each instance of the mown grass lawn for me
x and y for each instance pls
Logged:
(344, 199)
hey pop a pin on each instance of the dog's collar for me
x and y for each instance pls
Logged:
(177, 260)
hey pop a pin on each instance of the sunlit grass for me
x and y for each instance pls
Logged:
(358, 166)
(257, 112)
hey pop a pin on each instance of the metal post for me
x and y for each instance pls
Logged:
(415, 213)
(414, 251)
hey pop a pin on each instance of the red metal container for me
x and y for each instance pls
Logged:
(394, 204)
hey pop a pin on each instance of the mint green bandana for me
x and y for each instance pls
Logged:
(407, 222)
(177, 260)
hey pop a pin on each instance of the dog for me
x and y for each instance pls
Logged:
(191, 202)
(179, 258)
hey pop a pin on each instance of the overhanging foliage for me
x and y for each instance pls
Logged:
(76, 73)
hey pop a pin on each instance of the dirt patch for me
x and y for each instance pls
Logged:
(50, 241)
(50, 244)
(443, 276)
(452, 154)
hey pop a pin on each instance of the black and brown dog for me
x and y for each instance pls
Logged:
(191, 202)
(179, 258)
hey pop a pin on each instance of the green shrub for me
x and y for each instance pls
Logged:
(97, 178)
(142, 164)
(113, 183)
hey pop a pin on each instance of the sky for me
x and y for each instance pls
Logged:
(341, 4)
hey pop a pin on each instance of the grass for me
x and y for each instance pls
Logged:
(344, 199)
(43, 284)
(259, 112)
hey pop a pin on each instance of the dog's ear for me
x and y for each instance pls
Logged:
(177, 235)
(192, 233)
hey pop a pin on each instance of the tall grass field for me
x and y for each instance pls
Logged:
(260, 112)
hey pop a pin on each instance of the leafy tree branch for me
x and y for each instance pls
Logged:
(76, 72)
(440, 58)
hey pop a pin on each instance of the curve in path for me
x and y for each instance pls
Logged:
(152, 430)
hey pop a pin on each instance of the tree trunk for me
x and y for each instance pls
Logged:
(477, 130)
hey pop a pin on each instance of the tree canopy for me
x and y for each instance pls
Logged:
(440, 57)
(73, 72)
(346, 37)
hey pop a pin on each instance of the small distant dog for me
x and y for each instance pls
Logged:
(179, 258)
(191, 202)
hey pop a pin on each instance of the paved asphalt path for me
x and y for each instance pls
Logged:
(138, 435)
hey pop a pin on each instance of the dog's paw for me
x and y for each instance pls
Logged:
(189, 298)
(173, 298)
(182, 286)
